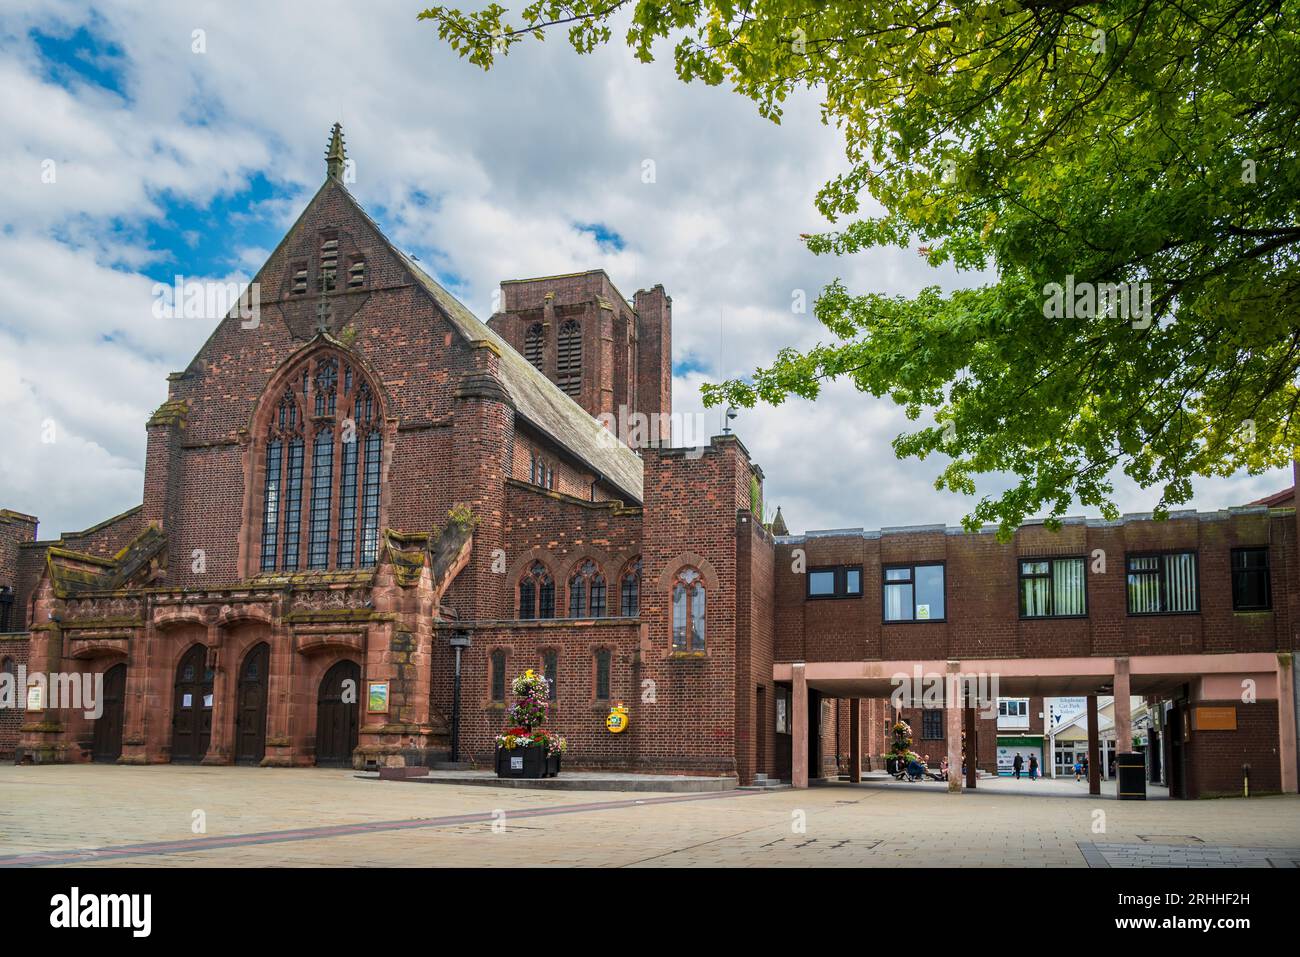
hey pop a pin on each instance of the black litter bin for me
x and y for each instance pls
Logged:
(1132, 784)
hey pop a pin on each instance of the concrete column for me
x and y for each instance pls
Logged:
(1123, 713)
(1286, 726)
(1094, 741)
(855, 740)
(799, 728)
(953, 707)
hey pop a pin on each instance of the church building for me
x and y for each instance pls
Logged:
(363, 484)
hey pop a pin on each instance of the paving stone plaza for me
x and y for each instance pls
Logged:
(251, 817)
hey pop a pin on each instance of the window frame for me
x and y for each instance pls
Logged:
(1268, 577)
(1051, 560)
(885, 569)
(596, 656)
(688, 643)
(840, 589)
(503, 656)
(925, 718)
(1160, 581)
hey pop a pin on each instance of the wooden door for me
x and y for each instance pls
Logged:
(250, 711)
(337, 715)
(192, 717)
(108, 726)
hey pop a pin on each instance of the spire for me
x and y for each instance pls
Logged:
(778, 523)
(336, 156)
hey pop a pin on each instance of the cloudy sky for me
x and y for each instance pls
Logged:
(166, 160)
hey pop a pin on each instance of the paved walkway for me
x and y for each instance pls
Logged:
(250, 817)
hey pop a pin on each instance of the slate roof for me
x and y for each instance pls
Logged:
(537, 399)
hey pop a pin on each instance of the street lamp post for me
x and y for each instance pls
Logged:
(459, 641)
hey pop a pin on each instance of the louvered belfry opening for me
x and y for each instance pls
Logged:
(534, 343)
(568, 361)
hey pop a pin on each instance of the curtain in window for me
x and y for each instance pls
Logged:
(1144, 584)
(1180, 582)
(898, 602)
(1035, 593)
(1068, 587)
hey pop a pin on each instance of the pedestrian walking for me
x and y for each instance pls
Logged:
(1017, 764)
(1033, 767)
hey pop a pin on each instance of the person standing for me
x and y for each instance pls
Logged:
(1078, 769)
(1033, 767)
(1017, 764)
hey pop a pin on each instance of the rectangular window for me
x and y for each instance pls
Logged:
(1162, 584)
(835, 581)
(1052, 588)
(293, 504)
(322, 475)
(603, 656)
(498, 675)
(932, 725)
(551, 669)
(370, 502)
(271, 507)
(348, 506)
(1251, 590)
(914, 593)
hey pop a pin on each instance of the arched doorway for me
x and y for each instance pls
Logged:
(192, 717)
(108, 726)
(250, 714)
(337, 714)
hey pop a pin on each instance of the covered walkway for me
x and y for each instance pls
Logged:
(1209, 693)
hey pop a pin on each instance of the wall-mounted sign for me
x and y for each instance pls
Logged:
(35, 698)
(618, 720)
(1215, 719)
(377, 697)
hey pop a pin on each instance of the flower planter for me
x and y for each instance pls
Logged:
(529, 762)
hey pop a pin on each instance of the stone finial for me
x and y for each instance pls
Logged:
(778, 523)
(336, 156)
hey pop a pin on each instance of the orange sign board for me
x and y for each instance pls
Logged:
(1216, 719)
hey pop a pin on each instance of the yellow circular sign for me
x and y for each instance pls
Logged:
(618, 720)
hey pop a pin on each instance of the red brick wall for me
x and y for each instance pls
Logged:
(13, 648)
(577, 715)
(1215, 757)
(981, 581)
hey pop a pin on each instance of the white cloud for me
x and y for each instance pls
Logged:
(485, 175)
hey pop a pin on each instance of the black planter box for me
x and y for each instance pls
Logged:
(529, 762)
(553, 765)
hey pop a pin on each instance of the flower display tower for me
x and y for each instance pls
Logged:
(525, 750)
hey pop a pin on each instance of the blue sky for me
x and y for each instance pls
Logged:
(171, 160)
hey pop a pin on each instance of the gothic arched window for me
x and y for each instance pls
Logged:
(587, 592)
(688, 611)
(536, 593)
(340, 485)
(630, 589)
(534, 341)
(568, 358)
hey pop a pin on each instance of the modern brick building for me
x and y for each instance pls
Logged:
(336, 487)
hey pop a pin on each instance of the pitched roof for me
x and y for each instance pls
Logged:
(539, 400)
(1277, 499)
